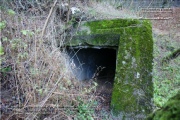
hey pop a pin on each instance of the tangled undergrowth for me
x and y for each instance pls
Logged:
(36, 80)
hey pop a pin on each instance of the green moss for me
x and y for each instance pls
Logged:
(111, 24)
(170, 111)
(137, 42)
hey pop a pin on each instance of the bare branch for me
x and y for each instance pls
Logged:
(47, 20)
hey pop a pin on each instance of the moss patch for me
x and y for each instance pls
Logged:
(134, 70)
(170, 111)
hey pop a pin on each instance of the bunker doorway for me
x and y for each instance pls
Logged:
(94, 63)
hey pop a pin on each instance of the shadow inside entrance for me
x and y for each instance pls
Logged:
(98, 65)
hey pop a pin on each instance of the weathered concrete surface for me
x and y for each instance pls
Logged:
(133, 88)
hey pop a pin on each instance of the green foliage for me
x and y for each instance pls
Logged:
(1, 50)
(11, 12)
(166, 77)
(2, 25)
(5, 70)
(169, 111)
(166, 84)
(93, 87)
(34, 71)
(22, 55)
(27, 32)
(4, 39)
(18, 43)
(85, 111)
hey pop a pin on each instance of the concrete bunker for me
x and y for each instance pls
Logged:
(132, 91)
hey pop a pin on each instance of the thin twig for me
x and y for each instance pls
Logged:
(48, 18)
(68, 11)
(150, 3)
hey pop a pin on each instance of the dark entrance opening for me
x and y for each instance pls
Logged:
(93, 63)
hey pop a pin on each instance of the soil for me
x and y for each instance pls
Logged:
(104, 90)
